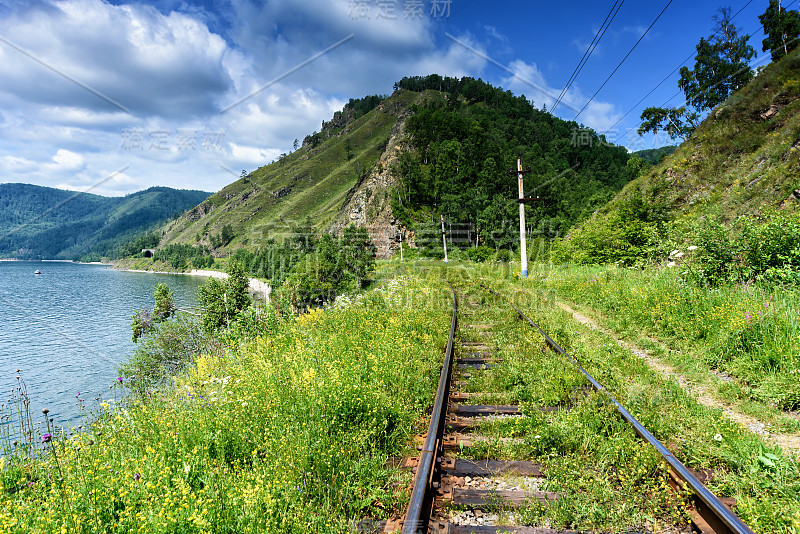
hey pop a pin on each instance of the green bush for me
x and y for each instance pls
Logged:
(335, 267)
(716, 258)
(752, 249)
(224, 300)
(144, 320)
(163, 352)
(480, 254)
(608, 239)
(503, 255)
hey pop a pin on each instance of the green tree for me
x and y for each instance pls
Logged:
(224, 300)
(141, 323)
(165, 305)
(226, 234)
(315, 279)
(782, 29)
(144, 320)
(348, 149)
(237, 284)
(357, 252)
(721, 65)
(677, 122)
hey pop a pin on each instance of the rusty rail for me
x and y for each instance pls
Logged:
(419, 507)
(711, 509)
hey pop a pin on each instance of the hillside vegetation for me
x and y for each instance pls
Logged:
(43, 222)
(740, 166)
(302, 192)
(436, 146)
(466, 139)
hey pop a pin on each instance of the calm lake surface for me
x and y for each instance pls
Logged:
(68, 328)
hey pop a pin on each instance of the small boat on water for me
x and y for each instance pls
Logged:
(37, 271)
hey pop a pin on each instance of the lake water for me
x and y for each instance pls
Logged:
(68, 328)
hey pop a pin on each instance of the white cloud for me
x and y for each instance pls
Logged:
(67, 160)
(252, 155)
(15, 164)
(492, 32)
(75, 116)
(638, 30)
(529, 80)
(526, 78)
(131, 55)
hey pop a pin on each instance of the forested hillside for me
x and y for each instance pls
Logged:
(43, 222)
(436, 146)
(466, 137)
(733, 179)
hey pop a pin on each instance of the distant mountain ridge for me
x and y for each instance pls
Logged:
(437, 145)
(39, 222)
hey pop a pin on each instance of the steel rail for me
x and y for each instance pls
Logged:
(730, 520)
(419, 507)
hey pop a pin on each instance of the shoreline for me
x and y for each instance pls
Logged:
(255, 285)
(62, 261)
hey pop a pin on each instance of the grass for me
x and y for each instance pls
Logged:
(300, 430)
(749, 332)
(289, 433)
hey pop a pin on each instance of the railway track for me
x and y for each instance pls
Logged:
(455, 492)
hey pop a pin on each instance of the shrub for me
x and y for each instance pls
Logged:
(164, 351)
(715, 259)
(224, 300)
(608, 240)
(503, 255)
(336, 266)
(759, 249)
(144, 320)
(480, 254)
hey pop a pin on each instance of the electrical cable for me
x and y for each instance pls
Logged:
(623, 60)
(669, 75)
(589, 51)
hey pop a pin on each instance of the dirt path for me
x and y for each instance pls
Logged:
(790, 443)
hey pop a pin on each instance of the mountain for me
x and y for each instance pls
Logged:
(436, 146)
(43, 222)
(743, 160)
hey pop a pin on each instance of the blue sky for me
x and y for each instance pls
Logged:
(113, 97)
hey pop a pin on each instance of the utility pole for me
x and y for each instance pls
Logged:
(522, 201)
(444, 239)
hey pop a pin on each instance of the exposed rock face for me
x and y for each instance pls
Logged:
(368, 203)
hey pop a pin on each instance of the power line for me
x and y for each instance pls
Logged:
(757, 60)
(623, 59)
(589, 51)
(670, 74)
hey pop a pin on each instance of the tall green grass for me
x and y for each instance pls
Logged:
(612, 481)
(751, 332)
(293, 432)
